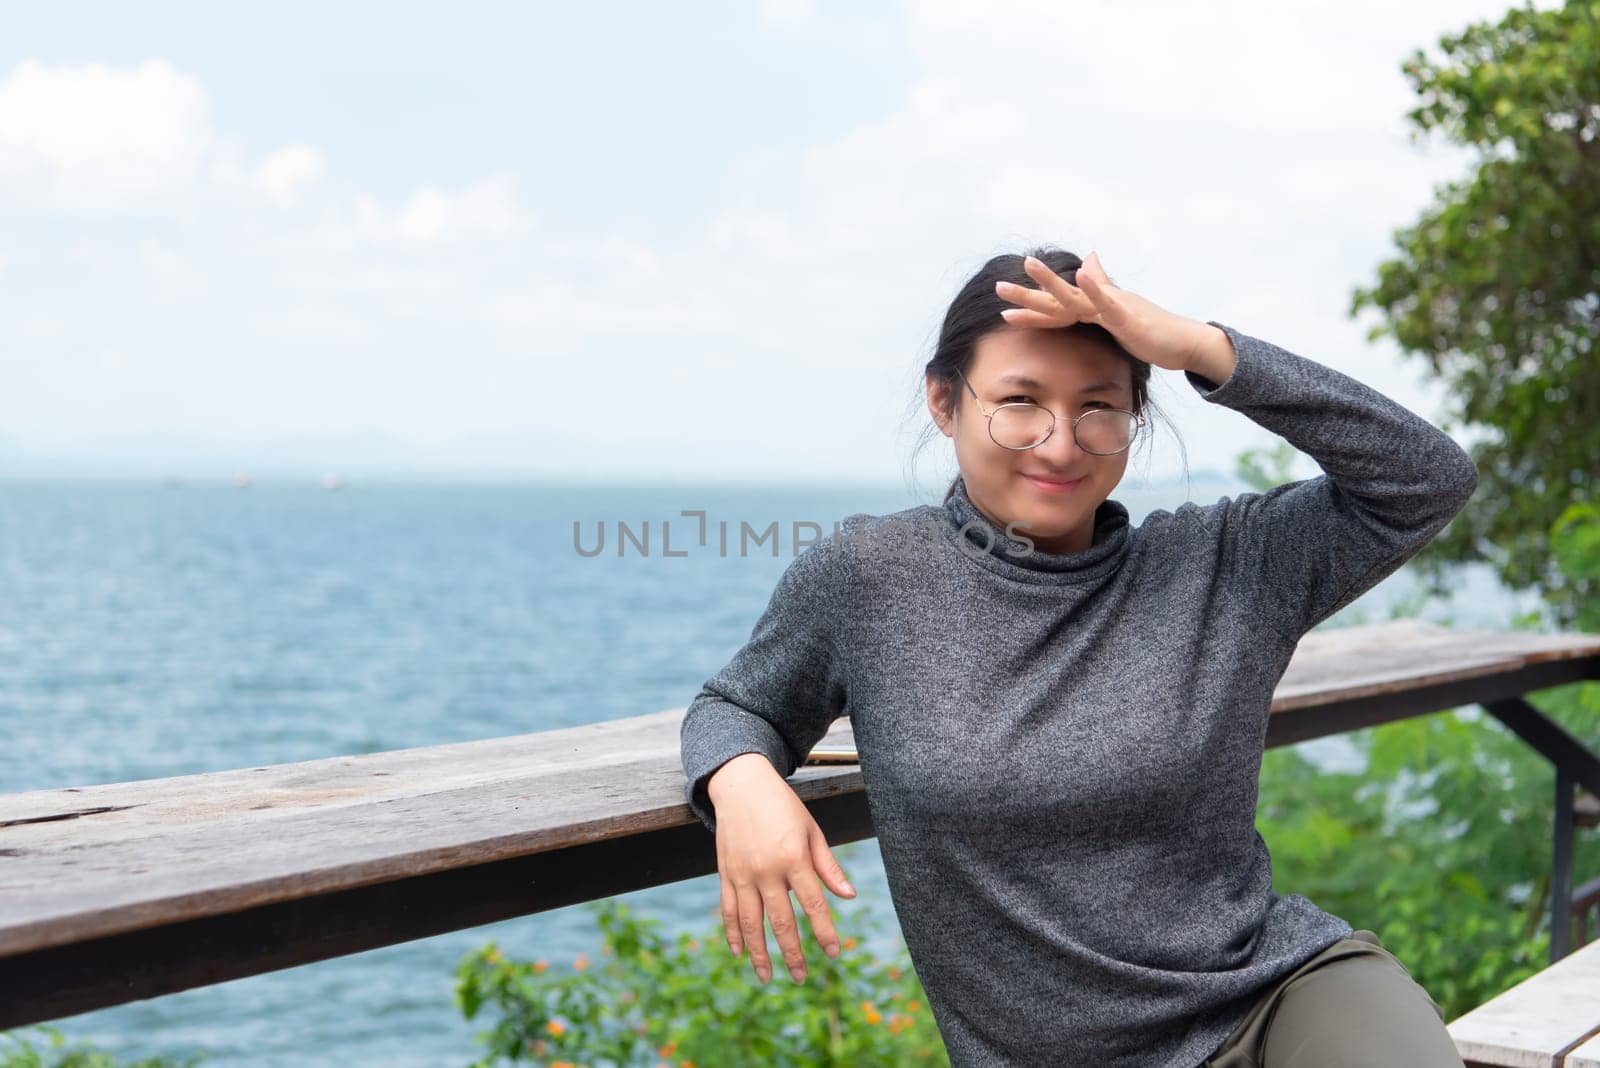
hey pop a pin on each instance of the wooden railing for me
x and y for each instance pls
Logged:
(114, 893)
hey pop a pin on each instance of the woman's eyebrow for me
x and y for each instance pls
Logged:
(1033, 383)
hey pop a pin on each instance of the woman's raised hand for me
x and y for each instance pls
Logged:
(1146, 330)
(768, 843)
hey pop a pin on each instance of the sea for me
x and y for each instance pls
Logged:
(160, 627)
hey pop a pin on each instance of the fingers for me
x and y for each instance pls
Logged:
(1071, 297)
(827, 866)
(730, 917)
(1056, 303)
(1037, 300)
(1024, 317)
(1101, 291)
(1098, 269)
(808, 890)
(752, 929)
(784, 928)
(763, 886)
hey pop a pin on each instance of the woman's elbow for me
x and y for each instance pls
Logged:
(1456, 476)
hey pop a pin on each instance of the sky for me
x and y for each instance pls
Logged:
(708, 241)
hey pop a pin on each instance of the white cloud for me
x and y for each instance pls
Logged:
(1249, 171)
(487, 209)
(96, 139)
(282, 174)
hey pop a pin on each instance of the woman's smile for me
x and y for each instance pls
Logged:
(1053, 485)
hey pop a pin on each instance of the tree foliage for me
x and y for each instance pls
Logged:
(1497, 285)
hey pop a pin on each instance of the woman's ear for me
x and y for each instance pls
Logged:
(938, 395)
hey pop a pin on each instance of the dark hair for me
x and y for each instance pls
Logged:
(975, 311)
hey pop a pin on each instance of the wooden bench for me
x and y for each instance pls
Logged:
(113, 893)
(1549, 1020)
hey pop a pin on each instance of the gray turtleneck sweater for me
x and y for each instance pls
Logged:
(1061, 751)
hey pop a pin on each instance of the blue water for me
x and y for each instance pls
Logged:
(150, 630)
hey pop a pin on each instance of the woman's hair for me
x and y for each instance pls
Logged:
(975, 311)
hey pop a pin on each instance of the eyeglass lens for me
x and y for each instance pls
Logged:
(1023, 426)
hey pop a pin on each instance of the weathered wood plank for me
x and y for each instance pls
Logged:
(147, 876)
(94, 860)
(168, 849)
(94, 973)
(1353, 662)
(1586, 1055)
(1536, 1022)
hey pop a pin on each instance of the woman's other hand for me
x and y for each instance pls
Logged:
(1146, 330)
(767, 844)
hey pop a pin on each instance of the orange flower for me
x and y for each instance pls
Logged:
(581, 963)
(849, 943)
(491, 954)
(555, 1028)
(873, 1018)
(894, 973)
(913, 1006)
(668, 1050)
(694, 943)
(686, 1064)
(866, 1006)
(539, 966)
(562, 1064)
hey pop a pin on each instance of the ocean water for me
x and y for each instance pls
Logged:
(151, 629)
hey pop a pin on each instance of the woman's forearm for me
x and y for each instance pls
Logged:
(1216, 359)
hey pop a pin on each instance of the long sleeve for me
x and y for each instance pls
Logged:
(1392, 482)
(786, 685)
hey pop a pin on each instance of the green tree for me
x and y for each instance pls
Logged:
(1497, 284)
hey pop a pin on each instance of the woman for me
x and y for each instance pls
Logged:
(1060, 716)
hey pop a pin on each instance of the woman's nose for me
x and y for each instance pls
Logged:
(1061, 448)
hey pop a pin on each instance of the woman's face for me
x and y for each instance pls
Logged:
(1065, 368)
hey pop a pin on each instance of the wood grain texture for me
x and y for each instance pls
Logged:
(1351, 662)
(92, 861)
(1537, 1022)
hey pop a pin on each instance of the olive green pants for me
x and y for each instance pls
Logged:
(1354, 1004)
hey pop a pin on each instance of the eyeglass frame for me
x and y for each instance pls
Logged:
(1138, 422)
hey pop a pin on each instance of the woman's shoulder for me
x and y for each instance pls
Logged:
(1170, 519)
(864, 536)
(1188, 523)
(1227, 519)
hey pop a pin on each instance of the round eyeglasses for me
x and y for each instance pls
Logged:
(1019, 425)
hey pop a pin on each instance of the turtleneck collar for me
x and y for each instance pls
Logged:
(990, 546)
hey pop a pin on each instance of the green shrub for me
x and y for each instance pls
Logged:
(1442, 843)
(692, 1002)
(23, 1054)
